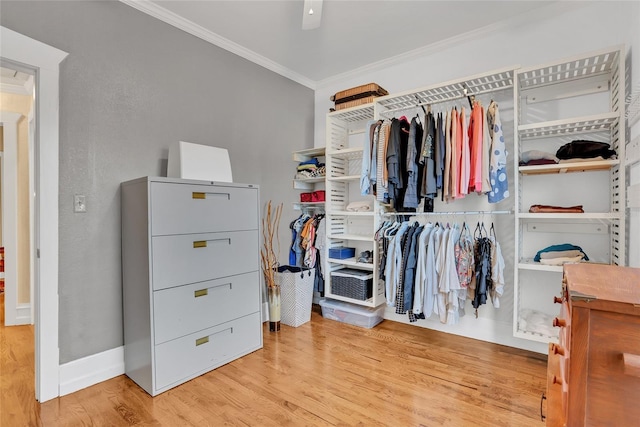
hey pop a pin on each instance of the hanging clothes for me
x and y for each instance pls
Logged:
(433, 269)
(483, 284)
(446, 179)
(365, 184)
(440, 151)
(475, 146)
(411, 199)
(394, 177)
(486, 153)
(428, 186)
(382, 190)
(497, 272)
(465, 160)
(498, 158)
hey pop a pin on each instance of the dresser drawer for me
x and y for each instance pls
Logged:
(190, 208)
(613, 384)
(184, 309)
(196, 353)
(185, 259)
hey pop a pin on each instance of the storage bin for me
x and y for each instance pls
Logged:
(306, 197)
(296, 290)
(352, 283)
(317, 196)
(342, 253)
(352, 314)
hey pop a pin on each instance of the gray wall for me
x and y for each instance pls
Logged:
(131, 86)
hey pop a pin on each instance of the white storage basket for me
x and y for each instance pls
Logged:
(296, 293)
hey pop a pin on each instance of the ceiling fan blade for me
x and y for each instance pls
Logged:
(311, 14)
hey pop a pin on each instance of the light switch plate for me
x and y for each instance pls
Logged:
(79, 203)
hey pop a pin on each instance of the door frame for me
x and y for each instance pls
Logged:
(45, 60)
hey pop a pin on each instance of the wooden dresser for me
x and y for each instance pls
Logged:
(191, 284)
(594, 370)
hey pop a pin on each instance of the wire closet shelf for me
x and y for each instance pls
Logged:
(457, 89)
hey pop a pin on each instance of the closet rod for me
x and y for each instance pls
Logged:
(448, 213)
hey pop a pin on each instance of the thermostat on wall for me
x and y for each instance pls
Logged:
(196, 161)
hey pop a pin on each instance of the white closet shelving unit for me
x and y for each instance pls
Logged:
(344, 156)
(344, 150)
(309, 184)
(577, 98)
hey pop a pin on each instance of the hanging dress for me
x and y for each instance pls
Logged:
(498, 171)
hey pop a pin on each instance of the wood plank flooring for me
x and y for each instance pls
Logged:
(323, 373)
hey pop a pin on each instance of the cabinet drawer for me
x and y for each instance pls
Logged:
(186, 259)
(189, 208)
(613, 385)
(182, 310)
(196, 353)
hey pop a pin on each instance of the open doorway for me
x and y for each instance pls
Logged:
(45, 61)
(17, 100)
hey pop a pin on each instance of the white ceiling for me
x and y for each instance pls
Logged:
(352, 34)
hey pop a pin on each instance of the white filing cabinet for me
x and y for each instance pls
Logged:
(191, 284)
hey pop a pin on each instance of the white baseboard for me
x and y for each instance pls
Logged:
(91, 370)
(23, 314)
(480, 329)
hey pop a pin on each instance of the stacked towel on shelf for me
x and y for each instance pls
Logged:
(560, 254)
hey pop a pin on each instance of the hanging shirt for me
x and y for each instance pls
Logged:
(394, 262)
(455, 154)
(463, 183)
(497, 273)
(421, 269)
(365, 185)
(439, 152)
(411, 191)
(382, 191)
(373, 169)
(446, 179)
(486, 154)
(498, 171)
(475, 147)
(431, 281)
(395, 182)
(429, 185)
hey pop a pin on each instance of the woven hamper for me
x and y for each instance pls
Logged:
(296, 293)
(352, 283)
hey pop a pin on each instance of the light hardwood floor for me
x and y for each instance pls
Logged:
(322, 373)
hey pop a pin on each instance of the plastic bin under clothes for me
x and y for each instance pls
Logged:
(357, 315)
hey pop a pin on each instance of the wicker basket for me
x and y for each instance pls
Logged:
(355, 103)
(352, 283)
(359, 95)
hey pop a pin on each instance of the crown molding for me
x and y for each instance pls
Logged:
(159, 12)
(16, 87)
(514, 22)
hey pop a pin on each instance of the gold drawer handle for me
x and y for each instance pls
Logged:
(203, 243)
(202, 340)
(205, 292)
(202, 196)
